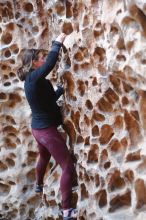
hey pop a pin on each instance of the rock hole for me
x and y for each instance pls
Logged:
(67, 28)
(10, 162)
(104, 106)
(89, 104)
(106, 134)
(81, 87)
(28, 7)
(7, 53)
(59, 8)
(84, 192)
(3, 96)
(95, 131)
(4, 189)
(69, 11)
(7, 84)
(93, 154)
(78, 56)
(101, 197)
(3, 167)
(6, 38)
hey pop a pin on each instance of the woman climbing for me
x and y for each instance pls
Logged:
(46, 117)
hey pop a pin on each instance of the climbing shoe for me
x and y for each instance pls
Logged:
(38, 188)
(70, 214)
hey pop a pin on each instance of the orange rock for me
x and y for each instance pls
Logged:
(106, 134)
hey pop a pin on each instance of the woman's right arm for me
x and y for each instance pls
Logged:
(51, 60)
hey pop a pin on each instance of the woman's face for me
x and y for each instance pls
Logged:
(39, 61)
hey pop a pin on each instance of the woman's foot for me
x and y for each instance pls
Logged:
(69, 214)
(39, 188)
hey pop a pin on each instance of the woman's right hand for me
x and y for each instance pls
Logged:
(61, 38)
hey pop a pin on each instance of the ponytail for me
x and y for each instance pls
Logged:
(21, 74)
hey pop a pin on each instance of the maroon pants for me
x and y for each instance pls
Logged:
(51, 143)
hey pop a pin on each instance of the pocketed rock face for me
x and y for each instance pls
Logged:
(103, 71)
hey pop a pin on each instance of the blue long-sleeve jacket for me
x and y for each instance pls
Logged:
(40, 93)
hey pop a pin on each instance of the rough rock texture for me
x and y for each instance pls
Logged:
(103, 71)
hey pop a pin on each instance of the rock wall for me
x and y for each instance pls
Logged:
(103, 71)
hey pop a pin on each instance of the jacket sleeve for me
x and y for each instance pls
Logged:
(49, 64)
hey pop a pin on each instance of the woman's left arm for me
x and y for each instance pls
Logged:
(59, 92)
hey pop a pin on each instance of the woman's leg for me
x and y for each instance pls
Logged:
(58, 149)
(52, 140)
(44, 157)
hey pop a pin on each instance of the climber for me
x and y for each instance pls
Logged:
(46, 117)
